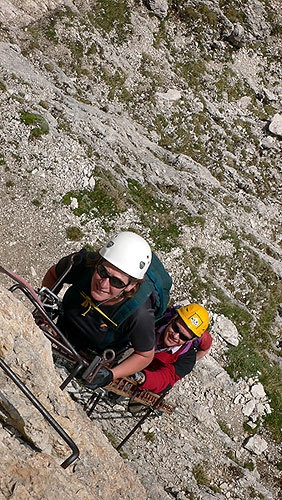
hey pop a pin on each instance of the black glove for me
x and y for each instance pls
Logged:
(103, 377)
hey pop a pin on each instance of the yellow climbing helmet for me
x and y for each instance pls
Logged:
(196, 317)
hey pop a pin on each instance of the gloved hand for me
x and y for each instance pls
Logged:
(139, 377)
(103, 377)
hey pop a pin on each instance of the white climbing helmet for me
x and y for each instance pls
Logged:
(129, 252)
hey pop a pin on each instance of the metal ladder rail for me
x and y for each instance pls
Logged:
(150, 410)
(81, 363)
(45, 413)
(39, 305)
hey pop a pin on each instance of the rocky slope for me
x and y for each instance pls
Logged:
(164, 118)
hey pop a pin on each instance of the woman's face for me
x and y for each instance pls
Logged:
(177, 333)
(108, 282)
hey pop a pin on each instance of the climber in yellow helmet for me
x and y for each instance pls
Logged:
(181, 339)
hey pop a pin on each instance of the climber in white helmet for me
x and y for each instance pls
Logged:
(101, 282)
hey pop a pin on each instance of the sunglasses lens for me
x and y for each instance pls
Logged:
(175, 326)
(114, 281)
(176, 329)
(101, 270)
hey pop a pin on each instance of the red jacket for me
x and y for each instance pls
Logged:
(167, 368)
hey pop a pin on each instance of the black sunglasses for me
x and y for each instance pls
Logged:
(114, 280)
(176, 329)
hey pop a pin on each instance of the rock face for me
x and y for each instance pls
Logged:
(18, 13)
(32, 455)
(164, 118)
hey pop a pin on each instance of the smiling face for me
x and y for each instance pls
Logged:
(177, 333)
(108, 283)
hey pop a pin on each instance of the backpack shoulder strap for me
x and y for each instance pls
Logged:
(132, 304)
(157, 284)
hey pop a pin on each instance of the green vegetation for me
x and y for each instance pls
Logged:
(249, 465)
(44, 104)
(192, 70)
(108, 199)
(251, 430)
(229, 83)
(2, 159)
(113, 18)
(103, 201)
(159, 215)
(36, 203)
(74, 233)
(111, 438)
(10, 184)
(151, 73)
(255, 494)
(149, 436)
(2, 87)
(200, 474)
(40, 125)
(262, 294)
(113, 441)
(224, 427)
(183, 136)
(64, 125)
(198, 255)
(196, 17)
(234, 10)
(115, 82)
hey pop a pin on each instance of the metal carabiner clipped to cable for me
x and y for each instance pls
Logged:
(97, 363)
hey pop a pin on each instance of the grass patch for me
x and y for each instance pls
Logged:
(149, 436)
(115, 81)
(2, 159)
(195, 18)
(192, 69)
(200, 475)
(38, 122)
(10, 184)
(229, 83)
(249, 465)
(234, 10)
(98, 202)
(74, 233)
(157, 214)
(113, 18)
(107, 200)
(36, 203)
(255, 494)
(250, 358)
(232, 236)
(198, 255)
(224, 427)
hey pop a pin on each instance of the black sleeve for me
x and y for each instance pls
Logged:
(185, 363)
(141, 327)
(80, 262)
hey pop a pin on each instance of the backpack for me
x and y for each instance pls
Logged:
(157, 284)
